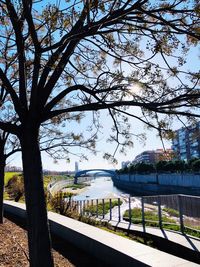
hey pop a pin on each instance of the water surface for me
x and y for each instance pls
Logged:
(100, 187)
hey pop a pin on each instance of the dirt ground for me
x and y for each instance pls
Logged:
(14, 250)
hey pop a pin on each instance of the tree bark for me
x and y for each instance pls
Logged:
(2, 174)
(38, 229)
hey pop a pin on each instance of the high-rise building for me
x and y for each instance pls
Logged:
(186, 143)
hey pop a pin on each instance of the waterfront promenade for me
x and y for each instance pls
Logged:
(112, 249)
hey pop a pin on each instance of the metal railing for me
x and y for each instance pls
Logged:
(175, 212)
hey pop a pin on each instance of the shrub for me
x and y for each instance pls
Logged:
(63, 204)
(144, 167)
(15, 187)
(196, 165)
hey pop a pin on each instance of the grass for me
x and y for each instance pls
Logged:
(171, 212)
(192, 232)
(151, 217)
(109, 228)
(102, 209)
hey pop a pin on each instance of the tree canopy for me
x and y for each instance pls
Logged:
(69, 57)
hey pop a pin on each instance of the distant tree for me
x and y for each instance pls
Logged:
(196, 165)
(68, 58)
(161, 166)
(124, 170)
(190, 162)
(180, 165)
(170, 166)
(132, 168)
(143, 167)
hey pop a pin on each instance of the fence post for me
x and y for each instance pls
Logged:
(81, 208)
(129, 210)
(119, 213)
(159, 211)
(86, 207)
(110, 201)
(143, 214)
(77, 207)
(97, 208)
(103, 208)
(71, 205)
(181, 213)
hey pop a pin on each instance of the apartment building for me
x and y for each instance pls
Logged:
(186, 143)
(152, 156)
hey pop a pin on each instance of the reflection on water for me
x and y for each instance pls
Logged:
(100, 187)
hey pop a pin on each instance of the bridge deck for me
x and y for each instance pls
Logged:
(82, 172)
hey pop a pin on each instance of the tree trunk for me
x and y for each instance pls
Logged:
(2, 174)
(38, 229)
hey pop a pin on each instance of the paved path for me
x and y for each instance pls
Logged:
(111, 248)
(116, 250)
(179, 238)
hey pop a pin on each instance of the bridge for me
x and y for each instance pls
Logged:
(84, 172)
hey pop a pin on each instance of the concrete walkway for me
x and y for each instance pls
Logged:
(176, 237)
(112, 249)
(115, 247)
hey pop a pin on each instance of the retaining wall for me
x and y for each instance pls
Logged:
(177, 179)
(159, 183)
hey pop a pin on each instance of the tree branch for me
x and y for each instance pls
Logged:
(9, 127)
(12, 92)
(18, 26)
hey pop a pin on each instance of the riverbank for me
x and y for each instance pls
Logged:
(75, 191)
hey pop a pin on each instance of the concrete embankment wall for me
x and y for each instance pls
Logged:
(159, 183)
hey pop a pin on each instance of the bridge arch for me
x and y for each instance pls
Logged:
(83, 172)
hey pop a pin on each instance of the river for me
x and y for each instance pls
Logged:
(100, 187)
